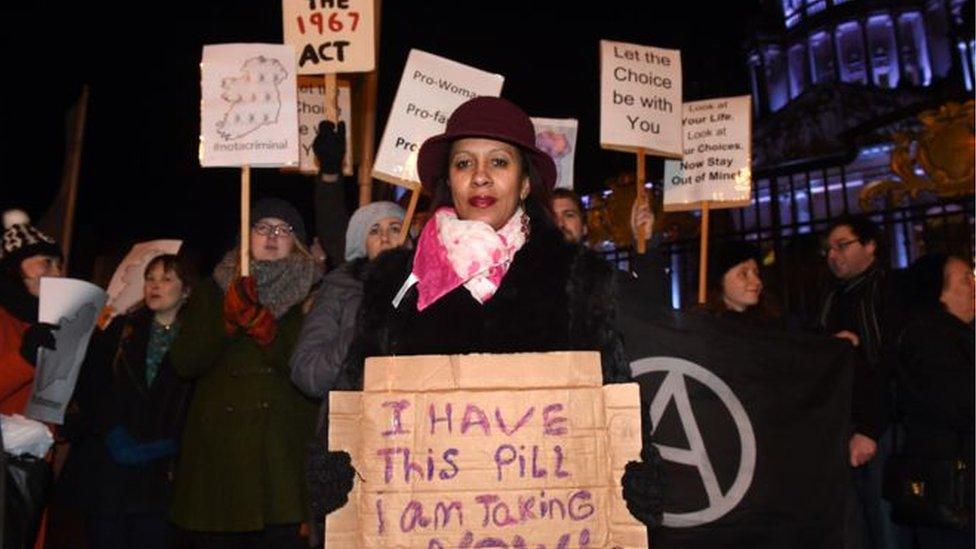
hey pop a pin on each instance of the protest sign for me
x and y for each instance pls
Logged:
(557, 137)
(717, 163)
(519, 450)
(248, 107)
(640, 98)
(125, 289)
(430, 89)
(72, 305)
(311, 111)
(330, 36)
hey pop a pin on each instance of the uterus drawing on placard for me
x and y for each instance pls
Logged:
(254, 97)
(557, 145)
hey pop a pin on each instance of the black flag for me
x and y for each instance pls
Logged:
(752, 423)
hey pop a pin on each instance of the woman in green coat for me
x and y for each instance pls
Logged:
(240, 477)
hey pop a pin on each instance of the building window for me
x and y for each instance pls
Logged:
(776, 78)
(791, 12)
(815, 6)
(798, 70)
(914, 49)
(821, 58)
(937, 33)
(881, 41)
(968, 61)
(754, 77)
(850, 48)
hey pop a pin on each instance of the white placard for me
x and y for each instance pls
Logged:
(430, 89)
(330, 36)
(73, 305)
(717, 165)
(126, 287)
(311, 111)
(248, 105)
(557, 137)
(640, 98)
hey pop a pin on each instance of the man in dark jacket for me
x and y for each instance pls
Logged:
(862, 307)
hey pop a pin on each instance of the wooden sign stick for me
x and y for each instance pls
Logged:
(408, 219)
(703, 256)
(641, 199)
(332, 99)
(245, 220)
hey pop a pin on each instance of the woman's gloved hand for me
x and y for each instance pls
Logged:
(643, 484)
(329, 476)
(243, 310)
(38, 335)
(330, 147)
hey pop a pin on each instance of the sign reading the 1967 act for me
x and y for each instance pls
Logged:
(330, 36)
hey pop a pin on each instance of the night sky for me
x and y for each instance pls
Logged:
(140, 177)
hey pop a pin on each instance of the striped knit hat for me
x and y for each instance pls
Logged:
(22, 240)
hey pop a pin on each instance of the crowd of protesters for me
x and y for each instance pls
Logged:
(200, 418)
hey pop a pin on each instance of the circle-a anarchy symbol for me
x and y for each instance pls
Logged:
(673, 388)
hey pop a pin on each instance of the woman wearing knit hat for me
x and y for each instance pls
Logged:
(330, 325)
(26, 255)
(239, 476)
(734, 280)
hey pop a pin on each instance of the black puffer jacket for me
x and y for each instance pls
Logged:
(555, 297)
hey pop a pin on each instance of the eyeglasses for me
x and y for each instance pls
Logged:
(266, 229)
(838, 247)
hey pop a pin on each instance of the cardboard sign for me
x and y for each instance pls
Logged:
(557, 136)
(126, 287)
(311, 111)
(717, 166)
(640, 98)
(248, 106)
(430, 89)
(330, 36)
(73, 305)
(520, 450)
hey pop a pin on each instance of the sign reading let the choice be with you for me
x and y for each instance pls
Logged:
(521, 450)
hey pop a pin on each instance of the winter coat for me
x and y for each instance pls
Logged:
(936, 374)
(16, 374)
(868, 306)
(112, 391)
(327, 333)
(555, 296)
(243, 448)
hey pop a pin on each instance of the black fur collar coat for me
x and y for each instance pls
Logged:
(556, 296)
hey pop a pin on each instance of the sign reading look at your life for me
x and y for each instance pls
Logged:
(717, 156)
(430, 89)
(248, 105)
(330, 36)
(640, 98)
(521, 450)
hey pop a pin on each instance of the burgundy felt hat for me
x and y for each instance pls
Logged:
(491, 118)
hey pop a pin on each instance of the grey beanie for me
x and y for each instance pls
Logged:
(362, 220)
(276, 207)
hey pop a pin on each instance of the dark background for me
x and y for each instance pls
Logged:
(140, 176)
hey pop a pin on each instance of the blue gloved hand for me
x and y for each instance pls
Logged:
(126, 451)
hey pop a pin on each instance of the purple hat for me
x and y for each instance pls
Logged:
(491, 118)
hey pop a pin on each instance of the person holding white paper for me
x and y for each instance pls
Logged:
(26, 256)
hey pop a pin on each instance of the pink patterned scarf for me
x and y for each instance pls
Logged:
(454, 252)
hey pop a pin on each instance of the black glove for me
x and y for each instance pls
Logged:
(37, 336)
(329, 476)
(643, 484)
(330, 147)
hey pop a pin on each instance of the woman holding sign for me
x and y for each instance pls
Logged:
(239, 478)
(491, 272)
